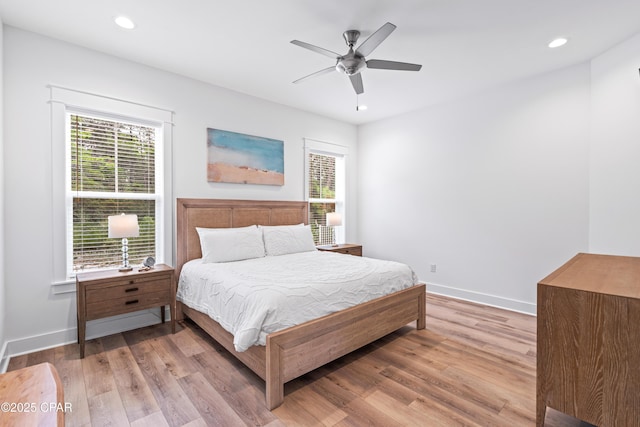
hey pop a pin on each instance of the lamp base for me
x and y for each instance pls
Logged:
(125, 267)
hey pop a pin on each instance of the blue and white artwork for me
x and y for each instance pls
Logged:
(239, 158)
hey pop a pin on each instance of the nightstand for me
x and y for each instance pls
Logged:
(109, 293)
(345, 248)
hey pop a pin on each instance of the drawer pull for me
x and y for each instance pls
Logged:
(131, 289)
(135, 301)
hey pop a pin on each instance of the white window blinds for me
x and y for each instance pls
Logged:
(322, 196)
(326, 186)
(112, 170)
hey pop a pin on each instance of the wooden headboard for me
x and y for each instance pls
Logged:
(216, 213)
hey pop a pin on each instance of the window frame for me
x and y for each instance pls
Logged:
(340, 152)
(61, 101)
(157, 195)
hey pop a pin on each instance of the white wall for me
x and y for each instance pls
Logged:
(492, 189)
(36, 316)
(615, 151)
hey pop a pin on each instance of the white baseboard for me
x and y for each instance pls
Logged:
(4, 361)
(486, 299)
(95, 329)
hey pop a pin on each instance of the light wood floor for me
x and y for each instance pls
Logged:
(472, 366)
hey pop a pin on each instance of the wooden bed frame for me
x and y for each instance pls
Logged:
(295, 351)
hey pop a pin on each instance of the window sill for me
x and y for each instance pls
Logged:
(64, 287)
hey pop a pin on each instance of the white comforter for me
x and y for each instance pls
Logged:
(256, 297)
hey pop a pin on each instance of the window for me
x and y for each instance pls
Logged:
(111, 170)
(325, 168)
(108, 156)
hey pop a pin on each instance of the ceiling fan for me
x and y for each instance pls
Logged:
(354, 61)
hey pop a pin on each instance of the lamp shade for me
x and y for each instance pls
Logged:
(123, 226)
(334, 219)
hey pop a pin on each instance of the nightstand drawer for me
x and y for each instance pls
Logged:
(351, 251)
(99, 293)
(114, 306)
(345, 248)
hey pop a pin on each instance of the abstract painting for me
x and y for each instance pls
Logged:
(246, 159)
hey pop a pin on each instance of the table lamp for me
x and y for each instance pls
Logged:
(334, 219)
(122, 227)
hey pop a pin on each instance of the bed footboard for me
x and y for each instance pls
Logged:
(303, 348)
(300, 349)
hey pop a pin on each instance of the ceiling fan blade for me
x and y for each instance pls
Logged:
(317, 73)
(392, 65)
(356, 81)
(375, 39)
(317, 49)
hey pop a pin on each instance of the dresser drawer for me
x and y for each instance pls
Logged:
(100, 293)
(114, 306)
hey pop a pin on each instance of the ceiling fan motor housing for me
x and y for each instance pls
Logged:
(350, 64)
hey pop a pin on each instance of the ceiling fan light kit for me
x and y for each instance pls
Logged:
(354, 61)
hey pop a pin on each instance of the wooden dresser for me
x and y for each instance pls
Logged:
(588, 350)
(109, 293)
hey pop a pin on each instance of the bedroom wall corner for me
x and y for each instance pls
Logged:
(482, 196)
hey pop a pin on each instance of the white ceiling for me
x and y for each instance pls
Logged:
(464, 45)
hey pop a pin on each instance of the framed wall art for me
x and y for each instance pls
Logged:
(246, 159)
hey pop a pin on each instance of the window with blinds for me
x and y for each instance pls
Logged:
(112, 170)
(322, 195)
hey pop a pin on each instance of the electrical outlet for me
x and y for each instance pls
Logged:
(433, 268)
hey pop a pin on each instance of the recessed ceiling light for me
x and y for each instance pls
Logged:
(560, 41)
(124, 22)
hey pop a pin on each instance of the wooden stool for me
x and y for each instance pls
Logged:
(32, 396)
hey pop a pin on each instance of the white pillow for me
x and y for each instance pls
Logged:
(230, 244)
(287, 239)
